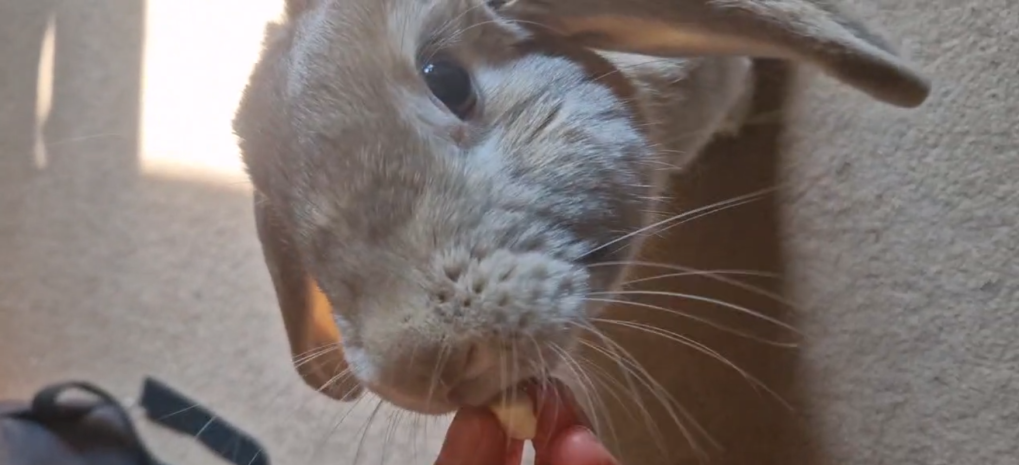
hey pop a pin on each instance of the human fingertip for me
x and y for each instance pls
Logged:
(474, 437)
(579, 446)
(554, 410)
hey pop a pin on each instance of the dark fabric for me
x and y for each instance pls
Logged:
(171, 409)
(77, 423)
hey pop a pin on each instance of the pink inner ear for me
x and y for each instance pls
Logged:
(322, 332)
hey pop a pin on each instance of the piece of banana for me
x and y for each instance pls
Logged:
(517, 416)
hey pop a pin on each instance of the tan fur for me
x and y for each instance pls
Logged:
(816, 32)
(446, 246)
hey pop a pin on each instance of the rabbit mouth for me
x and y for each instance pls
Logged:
(482, 392)
(474, 390)
(435, 404)
(512, 394)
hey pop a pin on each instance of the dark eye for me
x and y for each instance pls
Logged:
(451, 84)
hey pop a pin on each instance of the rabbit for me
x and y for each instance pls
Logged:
(437, 182)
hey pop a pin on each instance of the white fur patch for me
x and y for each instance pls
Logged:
(360, 362)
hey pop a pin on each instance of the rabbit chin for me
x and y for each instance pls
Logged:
(436, 404)
(444, 401)
(481, 391)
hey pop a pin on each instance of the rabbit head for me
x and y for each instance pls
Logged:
(442, 185)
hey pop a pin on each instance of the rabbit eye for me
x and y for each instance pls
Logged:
(451, 84)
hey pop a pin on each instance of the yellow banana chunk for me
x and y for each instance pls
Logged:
(517, 416)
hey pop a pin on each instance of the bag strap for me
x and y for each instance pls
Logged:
(173, 410)
(162, 405)
(12, 409)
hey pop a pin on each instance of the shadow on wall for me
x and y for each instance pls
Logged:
(87, 244)
(70, 97)
(715, 343)
(62, 88)
(70, 93)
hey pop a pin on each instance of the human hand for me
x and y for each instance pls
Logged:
(477, 438)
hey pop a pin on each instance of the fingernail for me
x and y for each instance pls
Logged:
(582, 431)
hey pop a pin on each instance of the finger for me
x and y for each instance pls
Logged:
(475, 437)
(555, 412)
(578, 446)
(515, 453)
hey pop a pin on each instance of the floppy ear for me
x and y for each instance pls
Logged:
(307, 313)
(811, 31)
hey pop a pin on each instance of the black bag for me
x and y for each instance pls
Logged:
(55, 429)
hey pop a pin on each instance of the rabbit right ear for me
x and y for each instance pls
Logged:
(811, 31)
(315, 340)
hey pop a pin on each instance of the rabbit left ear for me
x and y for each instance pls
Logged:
(315, 340)
(810, 31)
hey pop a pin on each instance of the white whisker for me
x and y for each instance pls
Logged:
(710, 300)
(683, 217)
(697, 319)
(691, 343)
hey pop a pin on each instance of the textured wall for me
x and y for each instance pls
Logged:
(905, 250)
